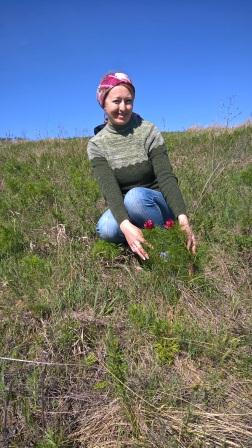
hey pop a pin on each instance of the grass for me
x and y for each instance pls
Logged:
(99, 349)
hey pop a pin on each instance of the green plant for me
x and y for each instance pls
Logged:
(141, 315)
(246, 176)
(11, 240)
(34, 269)
(101, 385)
(103, 249)
(67, 334)
(168, 252)
(53, 438)
(166, 350)
(90, 359)
(115, 361)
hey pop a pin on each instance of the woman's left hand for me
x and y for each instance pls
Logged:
(186, 228)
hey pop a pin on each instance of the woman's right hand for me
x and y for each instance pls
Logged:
(186, 228)
(135, 238)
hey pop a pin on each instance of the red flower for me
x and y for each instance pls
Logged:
(149, 224)
(169, 223)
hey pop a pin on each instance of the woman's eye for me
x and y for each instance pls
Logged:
(119, 101)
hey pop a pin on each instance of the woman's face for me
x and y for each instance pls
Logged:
(119, 104)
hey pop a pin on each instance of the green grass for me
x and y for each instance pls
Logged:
(102, 349)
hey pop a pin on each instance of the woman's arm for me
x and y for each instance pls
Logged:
(168, 183)
(169, 186)
(109, 187)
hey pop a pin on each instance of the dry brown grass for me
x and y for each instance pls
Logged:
(107, 425)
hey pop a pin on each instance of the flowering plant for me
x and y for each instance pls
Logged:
(169, 223)
(167, 249)
(149, 224)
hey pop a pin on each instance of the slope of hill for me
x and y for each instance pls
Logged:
(99, 350)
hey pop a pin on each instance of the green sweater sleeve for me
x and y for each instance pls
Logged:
(167, 180)
(110, 188)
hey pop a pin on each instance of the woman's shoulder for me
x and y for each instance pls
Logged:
(99, 134)
(148, 127)
(143, 124)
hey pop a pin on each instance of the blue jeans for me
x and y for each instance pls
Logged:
(141, 204)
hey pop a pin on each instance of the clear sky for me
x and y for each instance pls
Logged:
(190, 61)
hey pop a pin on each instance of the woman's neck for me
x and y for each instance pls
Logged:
(118, 127)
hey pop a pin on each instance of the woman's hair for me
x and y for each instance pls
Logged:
(109, 81)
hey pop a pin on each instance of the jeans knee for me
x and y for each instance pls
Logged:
(104, 231)
(101, 232)
(108, 230)
(135, 195)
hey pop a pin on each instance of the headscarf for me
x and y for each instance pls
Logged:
(108, 82)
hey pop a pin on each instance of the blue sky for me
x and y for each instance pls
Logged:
(190, 61)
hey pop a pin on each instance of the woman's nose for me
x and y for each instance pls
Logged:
(122, 105)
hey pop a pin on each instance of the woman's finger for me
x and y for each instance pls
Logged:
(191, 243)
(194, 245)
(137, 248)
(142, 254)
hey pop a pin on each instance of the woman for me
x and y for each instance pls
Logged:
(131, 164)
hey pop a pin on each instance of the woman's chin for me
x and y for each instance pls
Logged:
(120, 121)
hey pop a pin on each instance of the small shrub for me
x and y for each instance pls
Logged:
(90, 360)
(84, 184)
(246, 176)
(103, 249)
(115, 362)
(36, 190)
(40, 308)
(145, 317)
(243, 241)
(166, 350)
(101, 385)
(160, 327)
(11, 240)
(22, 181)
(168, 253)
(17, 168)
(141, 316)
(52, 439)
(34, 269)
(67, 335)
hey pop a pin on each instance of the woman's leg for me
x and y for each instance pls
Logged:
(141, 204)
(144, 203)
(108, 229)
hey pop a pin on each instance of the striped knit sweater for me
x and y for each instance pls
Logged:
(134, 155)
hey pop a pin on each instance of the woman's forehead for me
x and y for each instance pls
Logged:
(120, 90)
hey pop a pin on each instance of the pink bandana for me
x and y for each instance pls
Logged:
(108, 82)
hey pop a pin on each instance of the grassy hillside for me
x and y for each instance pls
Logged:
(100, 350)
